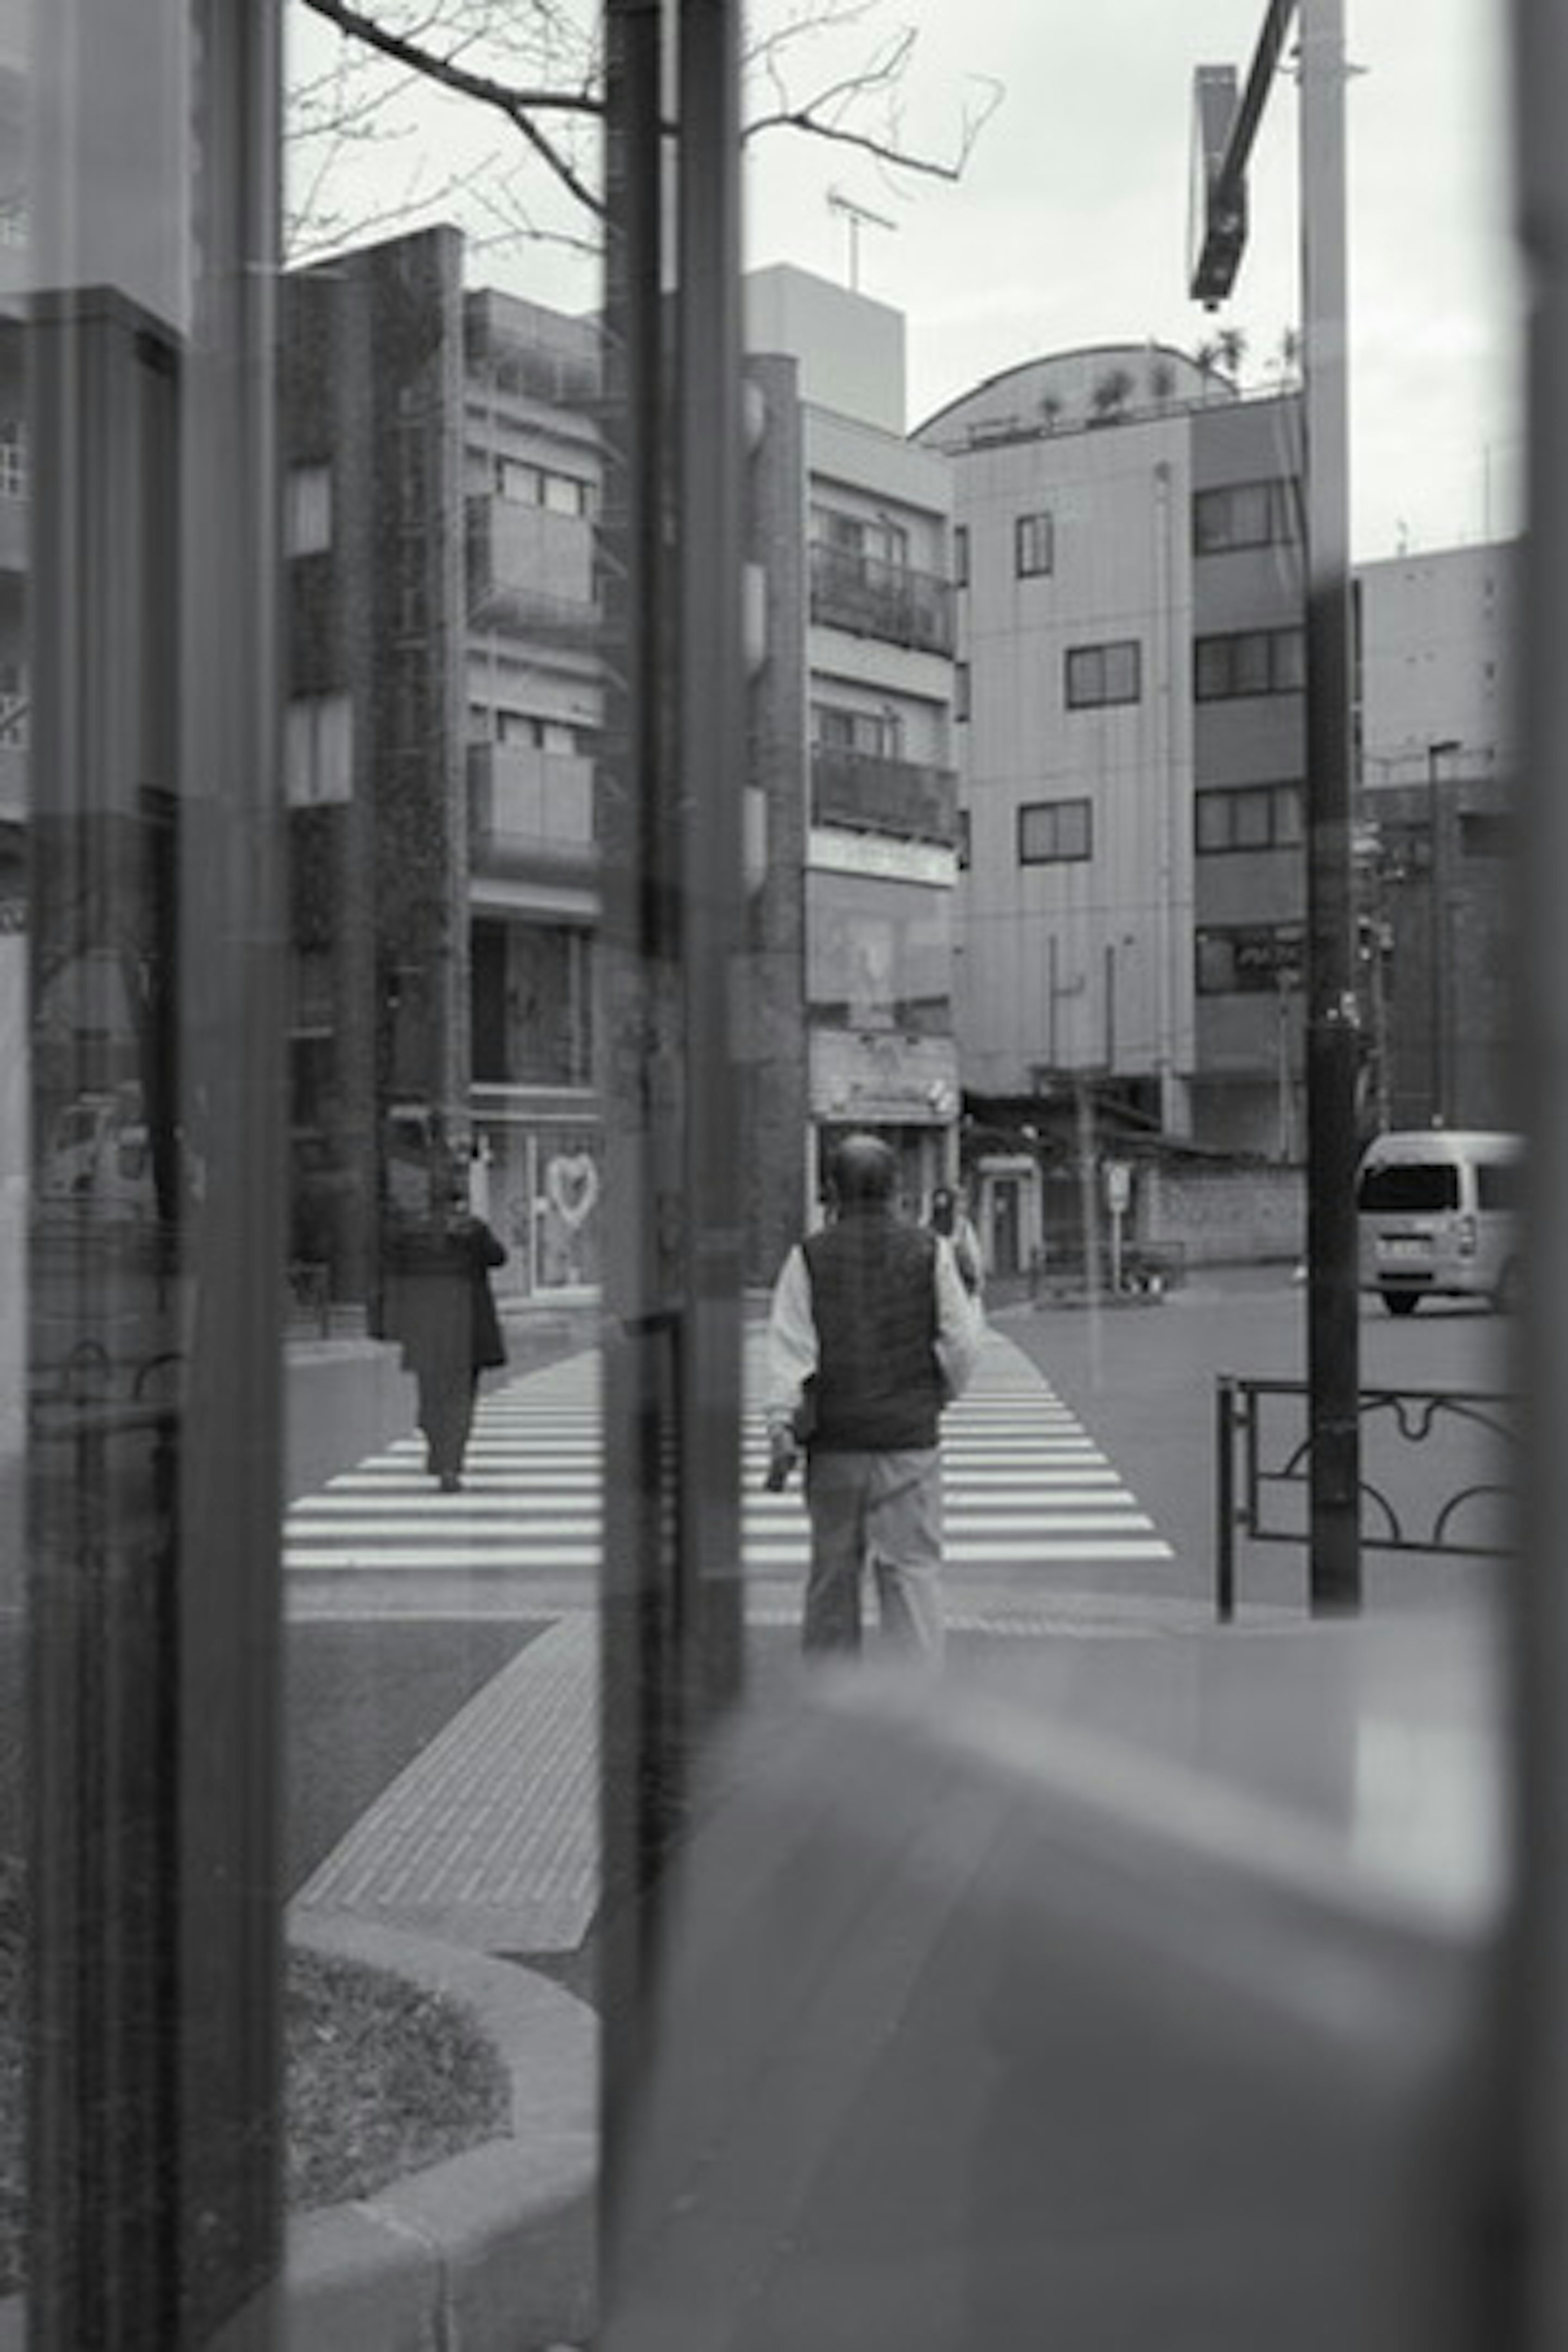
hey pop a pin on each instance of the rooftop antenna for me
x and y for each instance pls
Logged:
(856, 215)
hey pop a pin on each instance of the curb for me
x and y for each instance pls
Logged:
(491, 2250)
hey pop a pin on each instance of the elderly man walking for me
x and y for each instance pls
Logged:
(871, 1332)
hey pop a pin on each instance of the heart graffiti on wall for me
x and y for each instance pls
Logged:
(571, 1187)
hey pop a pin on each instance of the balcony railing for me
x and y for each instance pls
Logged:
(511, 551)
(504, 351)
(531, 808)
(897, 797)
(870, 598)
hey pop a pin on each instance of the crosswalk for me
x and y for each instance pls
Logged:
(1024, 1483)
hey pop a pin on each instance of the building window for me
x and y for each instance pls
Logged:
(874, 537)
(1486, 832)
(308, 510)
(13, 458)
(1248, 816)
(960, 691)
(532, 1004)
(521, 484)
(1248, 662)
(873, 734)
(961, 555)
(1099, 675)
(962, 844)
(1053, 833)
(1034, 545)
(318, 750)
(1248, 958)
(1245, 514)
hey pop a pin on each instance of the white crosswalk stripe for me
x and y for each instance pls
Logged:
(1023, 1482)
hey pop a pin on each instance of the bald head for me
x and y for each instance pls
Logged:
(863, 1174)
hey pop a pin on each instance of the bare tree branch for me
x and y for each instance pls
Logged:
(444, 43)
(518, 106)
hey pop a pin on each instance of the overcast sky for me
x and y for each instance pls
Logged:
(1070, 225)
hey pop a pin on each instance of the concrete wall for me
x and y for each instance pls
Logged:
(1219, 1215)
(850, 350)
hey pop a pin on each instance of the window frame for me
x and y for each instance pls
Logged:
(1284, 798)
(1077, 659)
(1052, 818)
(1268, 661)
(1034, 544)
(1281, 525)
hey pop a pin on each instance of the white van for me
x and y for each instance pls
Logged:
(1439, 1216)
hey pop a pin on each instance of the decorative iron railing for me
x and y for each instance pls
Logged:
(1262, 1465)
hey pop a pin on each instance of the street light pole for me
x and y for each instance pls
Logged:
(1436, 944)
(1333, 1333)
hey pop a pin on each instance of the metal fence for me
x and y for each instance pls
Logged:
(1262, 1466)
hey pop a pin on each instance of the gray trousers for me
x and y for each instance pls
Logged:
(881, 1512)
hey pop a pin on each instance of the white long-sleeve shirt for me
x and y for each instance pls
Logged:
(791, 1355)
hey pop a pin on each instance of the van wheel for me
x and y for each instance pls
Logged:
(1400, 1302)
(1508, 1296)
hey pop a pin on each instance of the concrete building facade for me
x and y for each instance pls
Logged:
(1130, 675)
(855, 707)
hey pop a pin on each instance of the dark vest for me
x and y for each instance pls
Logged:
(873, 1295)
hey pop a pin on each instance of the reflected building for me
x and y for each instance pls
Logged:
(855, 846)
(444, 700)
(1438, 729)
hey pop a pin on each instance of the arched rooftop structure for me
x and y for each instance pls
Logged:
(1099, 384)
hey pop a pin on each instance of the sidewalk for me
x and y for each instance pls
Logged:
(490, 1835)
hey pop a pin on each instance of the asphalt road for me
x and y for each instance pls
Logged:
(1142, 1380)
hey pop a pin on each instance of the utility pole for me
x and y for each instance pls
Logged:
(1332, 1014)
(1437, 934)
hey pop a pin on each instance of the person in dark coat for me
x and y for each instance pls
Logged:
(442, 1311)
(870, 1334)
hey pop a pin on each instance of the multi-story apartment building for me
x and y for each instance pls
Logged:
(531, 475)
(445, 698)
(443, 701)
(852, 719)
(1436, 674)
(1438, 729)
(1129, 686)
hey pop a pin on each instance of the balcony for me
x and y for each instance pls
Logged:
(868, 598)
(518, 350)
(532, 809)
(896, 797)
(514, 551)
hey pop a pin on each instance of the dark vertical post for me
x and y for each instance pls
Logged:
(670, 823)
(232, 959)
(154, 1485)
(1332, 1025)
(1225, 1497)
(641, 1068)
(712, 772)
(1436, 932)
(1533, 2009)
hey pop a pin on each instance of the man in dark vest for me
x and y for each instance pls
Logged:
(871, 1333)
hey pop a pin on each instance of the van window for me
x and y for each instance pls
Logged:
(1499, 1184)
(1411, 1184)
